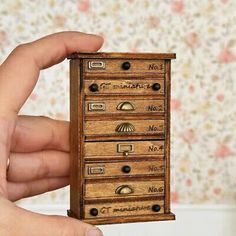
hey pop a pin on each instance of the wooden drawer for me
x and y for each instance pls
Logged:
(105, 106)
(124, 127)
(124, 149)
(117, 169)
(107, 189)
(129, 86)
(123, 66)
(117, 209)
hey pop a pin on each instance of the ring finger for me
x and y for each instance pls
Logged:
(38, 165)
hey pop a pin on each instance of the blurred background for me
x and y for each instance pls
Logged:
(203, 35)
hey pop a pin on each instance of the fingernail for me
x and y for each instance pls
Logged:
(94, 232)
(96, 35)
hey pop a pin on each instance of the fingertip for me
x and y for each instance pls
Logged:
(85, 229)
(97, 42)
(40, 54)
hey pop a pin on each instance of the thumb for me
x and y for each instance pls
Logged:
(64, 226)
(17, 221)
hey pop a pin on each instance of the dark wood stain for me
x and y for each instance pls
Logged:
(146, 67)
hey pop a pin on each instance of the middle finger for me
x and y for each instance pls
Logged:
(35, 133)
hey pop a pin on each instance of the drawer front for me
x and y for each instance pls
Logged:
(124, 189)
(117, 169)
(123, 209)
(123, 66)
(123, 149)
(127, 106)
(124, 127)
(124, 86)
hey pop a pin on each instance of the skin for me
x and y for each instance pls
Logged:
(38, 147)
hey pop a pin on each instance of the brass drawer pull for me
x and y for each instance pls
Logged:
(125, 106)
(124, 189)
(125, 148)
(125, 127)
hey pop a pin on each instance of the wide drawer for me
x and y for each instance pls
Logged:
(129, 86)
(124, 149)
(124, 106)
(112, 66)
(107, 189)
(117, 169)
(117, 209)
(124, 127)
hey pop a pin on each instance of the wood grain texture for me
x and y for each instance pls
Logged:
(134, 76)
(124, 86)
(114, 169)
(110, 149)
(124, 127)
(136, 188)
(103, 106)
(167, 131)
(75, 128)
(104, 138)
(124, 209)
(131, 219)
(113, 66)
(124, 55)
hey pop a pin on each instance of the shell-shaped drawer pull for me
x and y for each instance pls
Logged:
(124, 189)
(125, 106)
(125, 127)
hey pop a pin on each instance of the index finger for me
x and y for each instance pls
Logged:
(19, 74)
(20, 71)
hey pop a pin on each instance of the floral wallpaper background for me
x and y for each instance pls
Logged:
(203, 35)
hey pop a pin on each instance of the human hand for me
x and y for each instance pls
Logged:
(38, 147)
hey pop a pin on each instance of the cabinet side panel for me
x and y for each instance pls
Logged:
(167, 151)
(75, 163)
(80, 156)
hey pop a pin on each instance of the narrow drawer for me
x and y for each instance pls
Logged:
(124, 106)
(112, 66)
(124, 149)
(124, 127)
(107, 189)
(119, 169)
(124, 86)
(117, 209)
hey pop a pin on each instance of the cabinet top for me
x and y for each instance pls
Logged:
(123, 55)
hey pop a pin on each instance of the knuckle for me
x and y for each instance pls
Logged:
(21, 48)
(48, 122)
(43, 169)
(44, 118)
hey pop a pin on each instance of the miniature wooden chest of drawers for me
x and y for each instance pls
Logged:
(120, 137)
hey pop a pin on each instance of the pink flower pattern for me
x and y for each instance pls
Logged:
(83, 5)
(203, 111)
(222, 151)
(177, 6)
(226, 56)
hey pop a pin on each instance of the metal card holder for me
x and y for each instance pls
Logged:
(125, 148)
